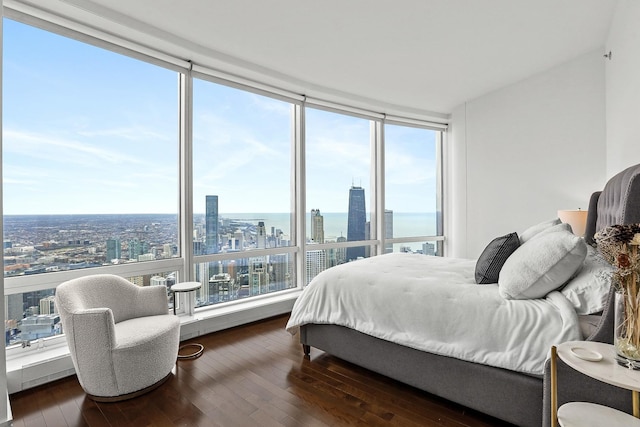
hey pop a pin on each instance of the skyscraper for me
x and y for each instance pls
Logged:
(341, 253)
(48, 305)
(211, 225)
(316, 263)
(114, 250)
(388, 230)
(357, 219)
(137, 247)
(261, 236)
(259, 277)
(317, 226)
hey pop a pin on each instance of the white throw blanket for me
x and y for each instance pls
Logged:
(433, 304)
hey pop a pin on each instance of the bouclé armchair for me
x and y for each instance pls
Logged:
(121, 337)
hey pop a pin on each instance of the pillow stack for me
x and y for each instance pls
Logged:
(542, 259)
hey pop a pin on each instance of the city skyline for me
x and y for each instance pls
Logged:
(66, 242)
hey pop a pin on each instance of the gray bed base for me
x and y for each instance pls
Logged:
(515, 397)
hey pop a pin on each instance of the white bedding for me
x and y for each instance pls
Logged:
(433, 304)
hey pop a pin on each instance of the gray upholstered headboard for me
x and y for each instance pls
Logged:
(617, 203)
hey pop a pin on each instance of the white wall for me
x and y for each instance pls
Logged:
(522, 152)
(623, 88)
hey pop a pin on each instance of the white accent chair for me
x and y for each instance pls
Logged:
(122, 339)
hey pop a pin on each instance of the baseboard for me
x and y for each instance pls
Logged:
(217, 320)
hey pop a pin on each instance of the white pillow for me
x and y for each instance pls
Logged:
(541, 265)
(563, 226)
(588, 291)
(537, 228)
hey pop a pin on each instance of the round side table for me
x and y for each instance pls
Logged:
(187, 287)
(596, 360)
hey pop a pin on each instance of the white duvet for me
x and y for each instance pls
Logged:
(433, 304)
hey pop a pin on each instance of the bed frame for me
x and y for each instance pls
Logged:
(515, 397)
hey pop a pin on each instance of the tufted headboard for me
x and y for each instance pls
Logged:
(617, 203)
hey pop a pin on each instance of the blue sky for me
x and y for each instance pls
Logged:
(86, 130)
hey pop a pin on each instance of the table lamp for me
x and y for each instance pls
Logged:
(577, 219)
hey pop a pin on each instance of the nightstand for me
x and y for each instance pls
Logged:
(596, 360)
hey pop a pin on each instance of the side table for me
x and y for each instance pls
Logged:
(188, 288)
(596, 360)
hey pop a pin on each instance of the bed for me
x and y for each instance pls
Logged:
(501, 374)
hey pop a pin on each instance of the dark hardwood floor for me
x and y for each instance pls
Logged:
(253, 375)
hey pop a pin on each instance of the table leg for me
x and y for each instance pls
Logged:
(174, 301)
(554, 387)
(636, 403)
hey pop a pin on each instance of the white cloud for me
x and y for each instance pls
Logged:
(134, 133)
(52, 148)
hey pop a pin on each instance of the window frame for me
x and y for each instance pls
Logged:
(184, 265)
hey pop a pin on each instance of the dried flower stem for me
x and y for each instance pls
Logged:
(628, 335)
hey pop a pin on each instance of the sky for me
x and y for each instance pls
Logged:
(88, 131)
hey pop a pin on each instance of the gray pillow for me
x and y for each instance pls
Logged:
(537, 228)
(494, 256)
(541, 265)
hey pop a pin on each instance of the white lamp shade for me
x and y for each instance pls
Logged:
(577, 219)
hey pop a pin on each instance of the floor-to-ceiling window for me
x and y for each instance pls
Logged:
(412, 205)
(242, 193)
(339, 170)
(90, 170)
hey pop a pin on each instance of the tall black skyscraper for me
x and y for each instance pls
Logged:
(356, 222)
(211, 224)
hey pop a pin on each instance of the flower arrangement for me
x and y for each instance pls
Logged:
(619, 246)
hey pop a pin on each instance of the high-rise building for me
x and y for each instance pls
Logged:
(114, 251)
(261, 236)
(48, 305)
(388, 230)
(281, 274)
(367, 236)
(341, 253)
(258, 275)
(14, 307)
(167, 250)
(357, 219)
(316, 263)
(202, 276)
(428, 248)
(220, 286)
(137, 248)
(237, 242)
(211, 225)
(317, 226)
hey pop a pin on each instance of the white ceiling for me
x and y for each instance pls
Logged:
(417, 56)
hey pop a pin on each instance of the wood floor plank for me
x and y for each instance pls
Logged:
(253, 375)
